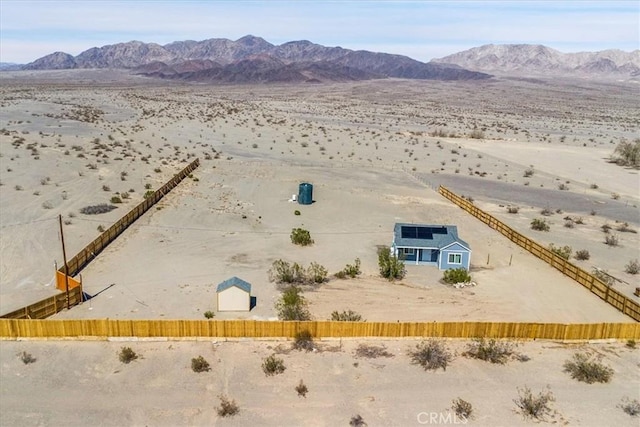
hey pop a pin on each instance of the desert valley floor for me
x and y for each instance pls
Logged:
(375, 153)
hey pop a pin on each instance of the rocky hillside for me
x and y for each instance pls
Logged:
(252, 59)
(525, 59)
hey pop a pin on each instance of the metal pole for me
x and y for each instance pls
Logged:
(64, 258)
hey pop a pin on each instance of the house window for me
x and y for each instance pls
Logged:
(408, 251)
(455, 258)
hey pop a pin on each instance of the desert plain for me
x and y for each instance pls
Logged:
(375, 152)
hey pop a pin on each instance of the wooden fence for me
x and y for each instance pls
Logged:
(78, 262)
(104, 328)
(48, 306)
(589, 281)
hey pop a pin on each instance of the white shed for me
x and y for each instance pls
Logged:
(234, 294)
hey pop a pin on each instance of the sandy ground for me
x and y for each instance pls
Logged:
(79, 138)
(84, 383)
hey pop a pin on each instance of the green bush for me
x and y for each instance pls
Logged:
(456, 275)
(292, 305)
(627, 153)
(316, 273)
(209, 314)
(539, 225)
(273, 365)
(199, 364)
(304, 341)
(584, 368)
(346, 316)
(391, 267)
(301, 237)
(284, 272)
(431, 355)
(116, 199)
(490, 351)
(563, 252)
(296, 212)
(302, 389)
(351, 270)
(127, 355)
(228, 408)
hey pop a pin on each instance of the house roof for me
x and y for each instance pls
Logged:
(234, 281)
(426, 236)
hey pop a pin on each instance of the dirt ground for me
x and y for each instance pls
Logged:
(84, 383)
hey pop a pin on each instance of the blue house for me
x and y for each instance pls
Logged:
(437, 245)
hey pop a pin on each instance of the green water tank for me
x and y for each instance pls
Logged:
(305, 194)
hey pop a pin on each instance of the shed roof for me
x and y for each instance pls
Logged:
(426, 236)
(234, 281)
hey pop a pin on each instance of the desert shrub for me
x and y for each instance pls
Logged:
(586, 369)
(296, 212)
(605, 228)
(357, 421)
(528, 173)
(227, 408)
(350, 270)
(624, 228)
(284, 272)
(632, 267)
(273, 365)
(603, 276)
(27, 358)
(372, 351)
(569, 223)
(147, 186)
(627, 153)
(561, 251)
(539, 225)
(563, 186)
(47, 205)
(106, 188)
(316, 273)
(127, 355)
(631, 344)
(116, 199)
(579, 220)
(631, 407)
(391, 267)
(531, 406)
(582, 255)
(97, 209)
(462, 408)
(546, 211)
(611, 240)
(304, 341)
(593, 186)
(292, 305)
(490, 351)
(456, 275)
(148, 194)
(200, 364)
(346, 316)
(209, 314)
(513, 209)
(124, 195)
(431, 355)
(301, 237)
(302, 389)
(476, 134)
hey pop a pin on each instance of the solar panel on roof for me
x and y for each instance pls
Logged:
(409, 232)
(424, 233)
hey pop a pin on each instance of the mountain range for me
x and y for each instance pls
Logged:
(518, 59)
(252, 59)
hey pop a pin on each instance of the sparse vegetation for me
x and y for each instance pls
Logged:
(462, 408)
(603, 276)
(127, 355)
(490, 350)
(582, 255)
(97, 209)
(296, 212)
(292, 305)
(227, 408)
(611, 240)
(369, 351)
(350, 270)
(357, 421)
(301, 237)
(391, 267)
(561, 251)
(536, 407)
(346, 316)
(539, 225)
(431, 355)
(632, 267)
(513, 209)
(116, 199)
(631, 344)
(304, 341)
(627, 153)
(200, 364)
(302, 389)
(456, 275)
(631, 407)
(27, 358)
(209, 314)
(586, 368)
(273, 365)
(283, 272)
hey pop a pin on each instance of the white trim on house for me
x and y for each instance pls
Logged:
(455, 243)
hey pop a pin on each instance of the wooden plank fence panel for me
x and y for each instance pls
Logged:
(606, 293)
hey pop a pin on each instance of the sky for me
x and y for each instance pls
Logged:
(422, 30)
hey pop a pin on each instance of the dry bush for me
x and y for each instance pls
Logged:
(273, 365)
(346, 316)
(546, 211)
(539, 225)
(582, 255)
(227, 408)
(304, 341)
(199, 364)
(357, 421)
(372, 351)
(561, 251)
(27, 358)
(127, 355)
(292, 305)
(633, 267)
(611, 240)
(531, 406)
(302, 389)
(490, 351)
(513, 209)
(631, 407)
(585, 368)
(97, 209)
(431, 355)
(603, 276)
(624, 228)
(462, 408)
(301, 237)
